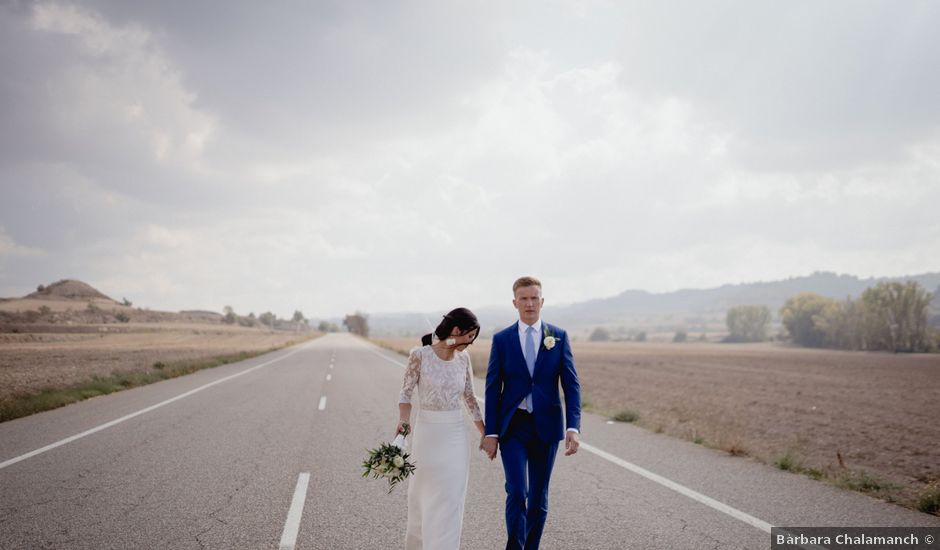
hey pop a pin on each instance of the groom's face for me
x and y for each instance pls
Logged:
(528, 301)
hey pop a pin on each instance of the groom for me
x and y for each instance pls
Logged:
(523, 410)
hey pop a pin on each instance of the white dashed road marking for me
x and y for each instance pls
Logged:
(292, 525)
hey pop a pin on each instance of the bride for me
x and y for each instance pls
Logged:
(441, 372)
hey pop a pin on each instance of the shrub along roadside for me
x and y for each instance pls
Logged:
(25, 404)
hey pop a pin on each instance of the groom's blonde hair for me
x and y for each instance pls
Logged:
(525, 281)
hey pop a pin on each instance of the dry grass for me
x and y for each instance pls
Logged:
(42, 364)
(797, 408)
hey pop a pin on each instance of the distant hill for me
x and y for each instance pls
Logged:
(66, 304)
(69, 289)
(634, 304)
(691, 309)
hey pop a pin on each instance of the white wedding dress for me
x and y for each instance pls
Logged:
(439, 448)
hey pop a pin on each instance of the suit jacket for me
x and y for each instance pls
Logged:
(508, 382)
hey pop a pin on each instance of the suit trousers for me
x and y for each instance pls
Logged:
(527, 462)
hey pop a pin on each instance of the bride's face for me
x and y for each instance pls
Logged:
(463, 339)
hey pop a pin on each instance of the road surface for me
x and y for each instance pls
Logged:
(267, 453)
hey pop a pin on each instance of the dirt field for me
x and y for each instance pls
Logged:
(32, 361)
(799, 407)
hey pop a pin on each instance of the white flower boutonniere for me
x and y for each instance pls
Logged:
(549, 341)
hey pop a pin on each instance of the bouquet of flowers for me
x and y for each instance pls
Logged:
(390, 461)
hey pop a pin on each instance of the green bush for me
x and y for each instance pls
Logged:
(789, 462)
(627, 416)
(929, 501)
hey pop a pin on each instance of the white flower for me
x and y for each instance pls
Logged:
(549, 342)
(398, 461)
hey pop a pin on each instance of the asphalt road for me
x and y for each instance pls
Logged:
(267, 453)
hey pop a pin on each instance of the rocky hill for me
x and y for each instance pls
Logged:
(74, 306)
(68, 289)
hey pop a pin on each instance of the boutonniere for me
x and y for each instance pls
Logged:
(550, 340)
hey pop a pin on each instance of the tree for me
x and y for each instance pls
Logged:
(127, 302)
(747, 323)
(246, 321)
(681, 336)
(842, 324)
(298, 317)
(934, 310)
(326, 326)
(896, 316)
(801, 315)
(599, 334)
(267, 318)
(357, 323)
(40, 288)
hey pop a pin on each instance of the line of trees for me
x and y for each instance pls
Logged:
(326, 326)
(266, 319)
(601, 334)
(889, 316)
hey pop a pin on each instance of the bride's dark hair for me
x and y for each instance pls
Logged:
(462, 318)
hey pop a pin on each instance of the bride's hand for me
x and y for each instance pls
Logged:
(489, 446)
(403, 428)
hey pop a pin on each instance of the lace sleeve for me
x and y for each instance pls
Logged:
(469, 397)
(412, 373)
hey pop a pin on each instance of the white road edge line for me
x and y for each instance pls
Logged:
(107, 425)
(681, 489)
(668, 483)
(322, 403)
(292, 525)
(387, 358)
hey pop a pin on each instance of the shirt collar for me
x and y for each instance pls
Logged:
(537, 326)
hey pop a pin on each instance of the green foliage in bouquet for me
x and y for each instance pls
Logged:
(390, 462)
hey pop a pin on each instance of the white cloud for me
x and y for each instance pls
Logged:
(10, 249)
(414, 157)
(121, 82)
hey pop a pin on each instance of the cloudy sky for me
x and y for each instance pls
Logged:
(416, 156)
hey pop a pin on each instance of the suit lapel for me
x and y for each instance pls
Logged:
(516, 349)
(540, 358)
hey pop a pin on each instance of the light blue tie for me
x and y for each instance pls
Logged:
(529, 361)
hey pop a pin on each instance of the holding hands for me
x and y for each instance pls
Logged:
(488, 445)
(572, 442)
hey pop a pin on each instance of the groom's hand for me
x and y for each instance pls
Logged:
(572, 443)
(489, 444)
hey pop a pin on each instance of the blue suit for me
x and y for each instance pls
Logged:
(528, 442)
